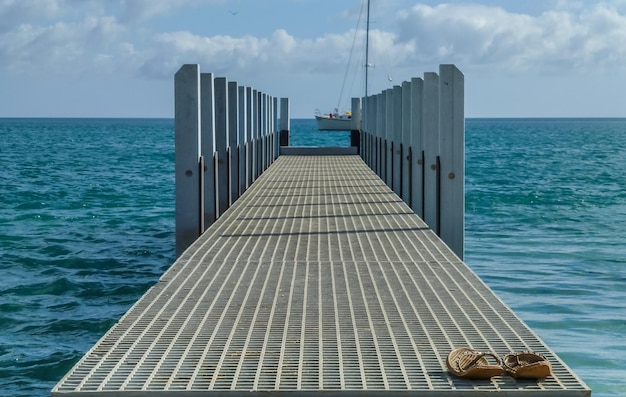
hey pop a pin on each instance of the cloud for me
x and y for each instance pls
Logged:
(55, 36)
(277, 54)
(479, 36)
(61, 47)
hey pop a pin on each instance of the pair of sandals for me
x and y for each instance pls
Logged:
(469, 363)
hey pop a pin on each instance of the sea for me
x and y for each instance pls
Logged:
(87, 226)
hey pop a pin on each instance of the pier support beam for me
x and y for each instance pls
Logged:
(284, 122)
(452, 147)
(355, 132)
(187, 153)
(417, 147)
(207, 102)
(221, 143)
(430, 125)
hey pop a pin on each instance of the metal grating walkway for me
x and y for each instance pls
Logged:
(318, 280)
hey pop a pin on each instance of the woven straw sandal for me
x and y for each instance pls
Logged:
(527, 365)
(468, 363)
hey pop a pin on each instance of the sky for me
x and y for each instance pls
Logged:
(117, 58)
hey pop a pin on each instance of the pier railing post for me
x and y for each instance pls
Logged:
(187, 155)
(452, 147)
(363, 130)
(262, 117)
(374, 133)
(380, 135)
(284, 122)
(396, 116)
(430, 125)
(389, 136)
(241, 147)
(207, 100)
(355, 133)
(406, 142)
(233, 137)
(249, 136)
(221, 143)
(275, 130)
(417, 147)
(256, 124)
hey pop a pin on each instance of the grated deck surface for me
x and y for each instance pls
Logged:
(318, 280)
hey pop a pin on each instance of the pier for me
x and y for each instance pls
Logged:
(306, 271)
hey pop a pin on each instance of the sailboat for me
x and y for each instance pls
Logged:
(343, 121)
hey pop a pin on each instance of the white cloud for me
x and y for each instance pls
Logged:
(477, 36)
(60, 48)
(56, 36)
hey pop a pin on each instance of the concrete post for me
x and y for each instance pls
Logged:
(430, 125)
(207, 100)
(284, 122)
(389, 136)
(275, 131)
(221, 143)
(233, 137)
(381, 158)
(187, 155)
(417, 147)
(262, 131)
(452, 151)
(256, 135)
(406, 143)
(373, 132)
(396, 116)
(241, 147)
(250, 141)
(355, 133)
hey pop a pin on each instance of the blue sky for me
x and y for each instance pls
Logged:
(117, 58)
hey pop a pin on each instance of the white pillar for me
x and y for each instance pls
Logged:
(452, 153)
(389, 133)
(380, 127)
(417, 147)
(396, 116)
(241, 147)
(233, 138)
(187, 155)
(285, 123)
(207, 99)
(430, 125)
(406, 142)
(250, 141)
(221, 142)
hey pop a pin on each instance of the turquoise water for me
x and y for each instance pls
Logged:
(87, 225)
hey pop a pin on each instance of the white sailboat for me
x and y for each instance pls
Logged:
(343, 121)
(334, 121)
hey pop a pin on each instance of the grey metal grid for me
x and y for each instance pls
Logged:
(319, 279)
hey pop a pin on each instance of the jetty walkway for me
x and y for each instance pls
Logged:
(318, 280)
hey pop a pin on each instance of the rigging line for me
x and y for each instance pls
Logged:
(349, 65)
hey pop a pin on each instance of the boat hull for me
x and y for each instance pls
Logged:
(326, 123)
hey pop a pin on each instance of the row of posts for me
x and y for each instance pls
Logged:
(225, 137)
(413, 137)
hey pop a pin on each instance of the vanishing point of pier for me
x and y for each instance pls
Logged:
(313, 271)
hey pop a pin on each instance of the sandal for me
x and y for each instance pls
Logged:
(472, 364)
(527, 365)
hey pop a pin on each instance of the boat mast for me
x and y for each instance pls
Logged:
(367, 45)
